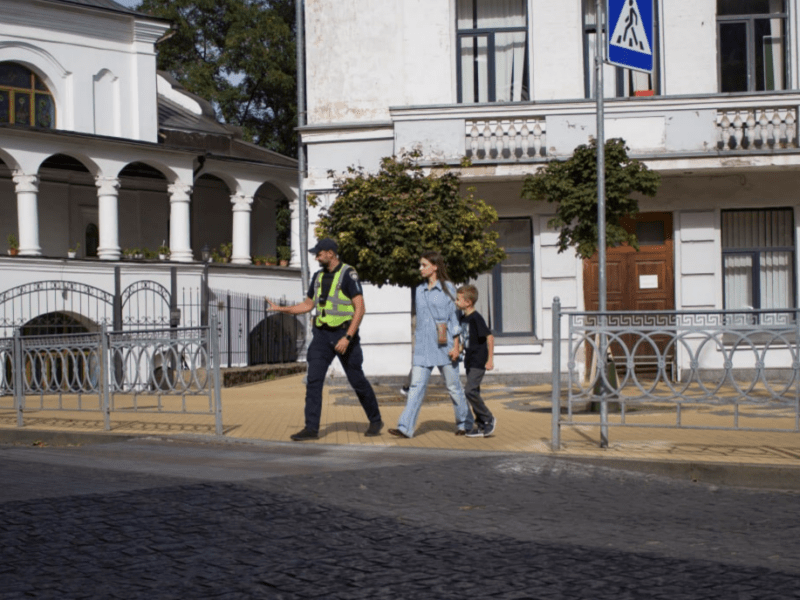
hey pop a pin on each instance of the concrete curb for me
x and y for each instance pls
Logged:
(60, 438)
(772, 477)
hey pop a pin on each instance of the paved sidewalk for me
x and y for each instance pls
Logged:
(272, 411)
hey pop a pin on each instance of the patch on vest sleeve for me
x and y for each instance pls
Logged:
(353, 275)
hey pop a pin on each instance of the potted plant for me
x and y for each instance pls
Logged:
(226, 250)
(136, 253)
(72, 252)
(284, 255)
(148, 254)
(271, 260)
(13, 244)
(258, 260)
(163, 251)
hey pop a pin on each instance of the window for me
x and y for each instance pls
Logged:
(492, 51)
(618, 82)
(752, 45)
(24, 98)
(506, 293)
(758, 258)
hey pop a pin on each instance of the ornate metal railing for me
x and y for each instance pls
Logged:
(734, 359)
(176, 369)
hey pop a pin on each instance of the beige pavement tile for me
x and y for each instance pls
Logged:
(273, 410)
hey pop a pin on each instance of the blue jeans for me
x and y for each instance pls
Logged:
(416, 394)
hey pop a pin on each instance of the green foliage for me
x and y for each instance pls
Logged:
(383, 222)
(572, 185)
(283, 222)
(240, 55)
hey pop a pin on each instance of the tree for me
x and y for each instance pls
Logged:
(572, 185)
(240, 55)
(385, 221)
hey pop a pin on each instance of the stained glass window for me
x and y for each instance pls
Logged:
(24, 98)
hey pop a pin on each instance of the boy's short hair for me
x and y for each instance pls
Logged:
(470, 292)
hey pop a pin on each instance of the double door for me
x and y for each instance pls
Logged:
(637, 281)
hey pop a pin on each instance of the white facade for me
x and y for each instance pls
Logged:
(385, 76)
(122, 158)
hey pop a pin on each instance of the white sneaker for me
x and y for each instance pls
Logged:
(404, 391)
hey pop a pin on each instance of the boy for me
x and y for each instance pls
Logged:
(478, 358)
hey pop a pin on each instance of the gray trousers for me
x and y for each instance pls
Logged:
(472, 390)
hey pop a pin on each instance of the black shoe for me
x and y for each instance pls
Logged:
(461, 432)
(374, 429)
(304, 434)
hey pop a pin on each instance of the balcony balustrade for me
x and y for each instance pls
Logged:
(657, 127)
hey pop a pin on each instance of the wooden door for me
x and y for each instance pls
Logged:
(637, 281)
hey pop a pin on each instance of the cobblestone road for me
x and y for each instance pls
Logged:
(506, 527)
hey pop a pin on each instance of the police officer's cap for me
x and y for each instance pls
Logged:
(324, 244)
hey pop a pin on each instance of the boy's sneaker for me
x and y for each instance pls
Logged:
(490, 427)
(475, 432)
(404, 391)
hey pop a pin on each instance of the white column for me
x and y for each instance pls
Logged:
(108, 215)
(180, 248)
(242, 206)
(27, 188)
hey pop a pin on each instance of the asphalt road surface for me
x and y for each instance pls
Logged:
(155, 519)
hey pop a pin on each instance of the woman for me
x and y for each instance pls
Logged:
(436, 309)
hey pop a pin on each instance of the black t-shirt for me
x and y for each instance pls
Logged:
(351, 284)
(475, 332)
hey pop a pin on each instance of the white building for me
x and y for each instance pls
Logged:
(98, 149)
(510, 83)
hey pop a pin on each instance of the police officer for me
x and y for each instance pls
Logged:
(336, 293)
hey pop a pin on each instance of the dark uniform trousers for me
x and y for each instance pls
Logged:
(320, 355)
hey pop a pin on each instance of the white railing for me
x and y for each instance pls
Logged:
(506, 139)
(757, 129)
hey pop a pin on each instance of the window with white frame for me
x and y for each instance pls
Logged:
(617, 82)
(492, 50)
(758, 256)
(752, 45)
(506, 292)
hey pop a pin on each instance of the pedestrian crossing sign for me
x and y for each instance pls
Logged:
(631, 23)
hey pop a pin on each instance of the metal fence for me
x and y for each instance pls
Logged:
(741, 362)
(249, 334)
(176, 369)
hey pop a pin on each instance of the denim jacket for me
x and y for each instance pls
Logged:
(434, 306)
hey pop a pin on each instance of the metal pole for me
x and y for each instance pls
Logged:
(19, 393)
(305, 274)
(555, 442)
(213, 345)
(601, 222)
(105, 376)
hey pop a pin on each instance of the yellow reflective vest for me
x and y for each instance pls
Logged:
(338, 309)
